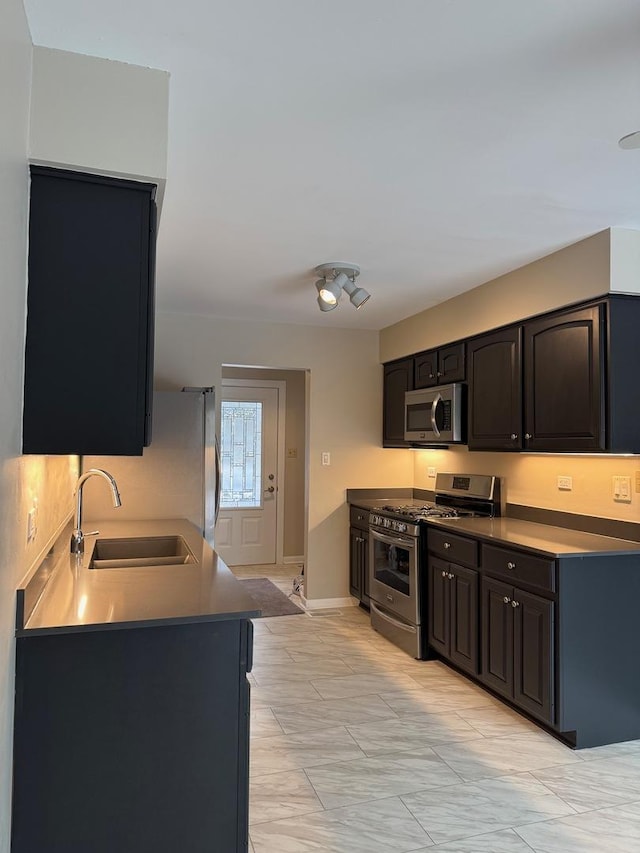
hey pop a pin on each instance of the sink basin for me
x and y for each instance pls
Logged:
(141, 551)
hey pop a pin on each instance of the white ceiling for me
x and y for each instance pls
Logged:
(436, 143)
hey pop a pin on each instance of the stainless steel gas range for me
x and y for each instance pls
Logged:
(397, 554)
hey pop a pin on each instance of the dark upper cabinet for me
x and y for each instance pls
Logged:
(495, 390)
(398, 378)
(439, 366)
(89, 346)
(563, 380)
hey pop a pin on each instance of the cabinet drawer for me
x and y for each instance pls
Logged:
(456, 549)
(519, 568)
(359, 517)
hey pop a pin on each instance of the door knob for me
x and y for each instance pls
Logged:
(272, 476)
(270, 489)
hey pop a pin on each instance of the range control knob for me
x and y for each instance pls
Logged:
(402, 527)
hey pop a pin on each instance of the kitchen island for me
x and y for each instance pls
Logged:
(132, 702)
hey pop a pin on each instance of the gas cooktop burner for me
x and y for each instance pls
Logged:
(417, 513)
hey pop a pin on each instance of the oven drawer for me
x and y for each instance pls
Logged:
(456, 549)
(359, 517)
(519, 568)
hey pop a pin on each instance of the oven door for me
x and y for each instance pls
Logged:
(393, 571)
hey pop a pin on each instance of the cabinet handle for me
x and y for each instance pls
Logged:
(438, 373)
(450, 575)
(514, 435)
(432, 376)
(506, 599)
(447, 545)
(444, 574)
(528, 435)
(515, 603)
(511, 565)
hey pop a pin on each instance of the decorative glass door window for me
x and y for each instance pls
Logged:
(241, 454)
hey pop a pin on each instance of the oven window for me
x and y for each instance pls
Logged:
(391, 566)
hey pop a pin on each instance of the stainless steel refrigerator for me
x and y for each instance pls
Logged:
(178, 475)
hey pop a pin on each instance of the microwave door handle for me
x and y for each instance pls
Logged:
(434, 407)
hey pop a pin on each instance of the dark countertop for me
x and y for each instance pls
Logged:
(77, 598)
(545, 539)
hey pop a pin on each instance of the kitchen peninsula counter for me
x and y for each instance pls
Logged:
(131, 725)
(68, 596)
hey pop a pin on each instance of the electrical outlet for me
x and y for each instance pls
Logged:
(565, 483)
(431, 471)
(32, 522)
(637, 481)
(326, 457)
(622, 489)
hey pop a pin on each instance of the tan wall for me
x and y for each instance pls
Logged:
(99, 115)
(294, 439)
(345, 414)
(607, 261)
(48, 480)
(578, 272)
(531, 479)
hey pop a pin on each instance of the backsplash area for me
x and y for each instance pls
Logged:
(532, 480)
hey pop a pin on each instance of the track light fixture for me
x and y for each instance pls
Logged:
(337, 277)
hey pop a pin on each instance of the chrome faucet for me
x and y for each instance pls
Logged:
(77, 537)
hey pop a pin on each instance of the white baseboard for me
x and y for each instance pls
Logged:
(327, 603)
(293, 560)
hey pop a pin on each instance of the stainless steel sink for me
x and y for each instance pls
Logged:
(141, 551)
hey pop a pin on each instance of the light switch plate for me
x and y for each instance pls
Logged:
(326, 457)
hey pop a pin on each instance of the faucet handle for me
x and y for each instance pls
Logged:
(90, 533)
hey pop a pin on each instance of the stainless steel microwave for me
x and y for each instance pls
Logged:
(435, 415)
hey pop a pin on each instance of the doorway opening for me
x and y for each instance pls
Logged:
(263, 443)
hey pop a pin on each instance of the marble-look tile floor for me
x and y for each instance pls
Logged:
(357, 748)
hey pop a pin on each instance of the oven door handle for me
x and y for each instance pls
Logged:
(411, 629)
(392, 540)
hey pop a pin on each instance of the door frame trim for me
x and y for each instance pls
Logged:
(281, 386)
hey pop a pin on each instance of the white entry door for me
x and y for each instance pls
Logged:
(247, 522)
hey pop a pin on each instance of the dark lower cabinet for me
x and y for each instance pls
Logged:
(135, 740)
(359, 564)
(453, 613)
(517, 647)
(359, 554)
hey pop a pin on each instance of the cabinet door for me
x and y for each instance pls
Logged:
(564, 400)
(425, 370)
(355, 562)
(495, 391)
(451, 366)
(89, 342)
(497, 636)
(463, 591)
(398, 378)
(439, 608)
(364, 598)
(533, 654)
